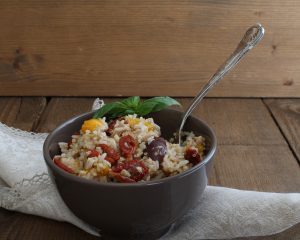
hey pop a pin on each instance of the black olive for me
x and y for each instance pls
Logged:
(157, 149)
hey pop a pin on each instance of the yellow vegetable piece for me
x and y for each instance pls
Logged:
(150, 126)
(104, 171)
(133, 121)
(91, 125)
(200, 148)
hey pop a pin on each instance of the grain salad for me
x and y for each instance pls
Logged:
(127, 149)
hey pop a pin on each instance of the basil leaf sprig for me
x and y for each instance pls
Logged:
(134, 105)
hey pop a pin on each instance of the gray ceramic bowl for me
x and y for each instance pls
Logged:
(138, 210)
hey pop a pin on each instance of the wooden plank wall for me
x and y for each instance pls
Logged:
(150, 47)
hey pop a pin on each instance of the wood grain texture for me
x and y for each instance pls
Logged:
(252, 153)
(60, 109)
(18, 226)
(238, 121)
(131, 47)
(21, 112)
(259, 168)
(287, 114)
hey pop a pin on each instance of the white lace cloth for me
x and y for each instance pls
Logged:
(222, 212)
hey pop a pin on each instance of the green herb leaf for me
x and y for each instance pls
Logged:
(132, 102)
(133, 105)
(156, 104)
(104, 110)
(110, 109)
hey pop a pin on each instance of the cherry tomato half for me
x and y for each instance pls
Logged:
(93, 153)
(112, 155)
(121, 178)
(58, 162)
(111, 127)
(136, 168)
(127, 146)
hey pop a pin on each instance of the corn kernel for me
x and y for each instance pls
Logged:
(200, 148)
(104, 171)
(133, 121)
(149, 126)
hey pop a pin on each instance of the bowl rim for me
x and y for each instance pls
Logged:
(64, 174)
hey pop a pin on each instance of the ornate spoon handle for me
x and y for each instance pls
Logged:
(252, 36)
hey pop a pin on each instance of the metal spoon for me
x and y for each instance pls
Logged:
(252, 36)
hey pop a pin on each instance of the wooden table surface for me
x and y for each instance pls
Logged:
(259, 149)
